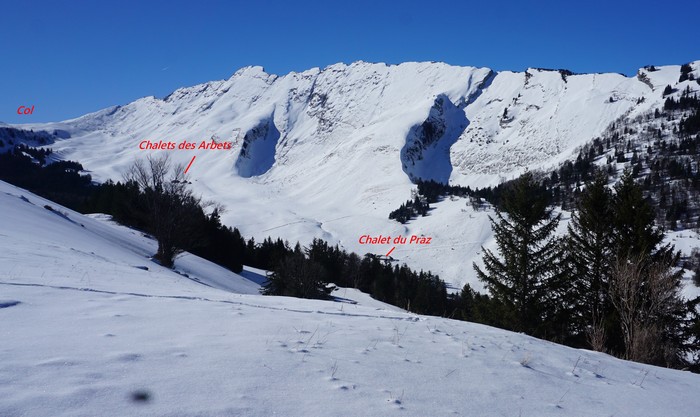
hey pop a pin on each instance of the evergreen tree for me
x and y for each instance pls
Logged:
(590, 249)
(527, 276)
(296, 276)
(686, 70)
(633, 221)
(480, 308)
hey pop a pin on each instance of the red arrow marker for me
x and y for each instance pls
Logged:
(190, 164)
(389, 253)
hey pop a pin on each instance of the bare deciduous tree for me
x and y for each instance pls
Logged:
(645, 294)
(595, 335)
(172, 207)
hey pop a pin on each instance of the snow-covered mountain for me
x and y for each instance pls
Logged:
(330, 152)
(90, 326)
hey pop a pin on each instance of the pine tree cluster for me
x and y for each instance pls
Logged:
(410, 210)
(685, 102)
(309, 273)
(428, 192)
(686, 73)
(609, 284)
(61, 181)
(12, 136)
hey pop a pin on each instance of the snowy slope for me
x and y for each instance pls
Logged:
(330, 152)
(30, 232)
(85, 331)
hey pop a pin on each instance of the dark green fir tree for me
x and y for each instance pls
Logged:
(296, 276)
(589, 247)
(635, 234)
(526, 277)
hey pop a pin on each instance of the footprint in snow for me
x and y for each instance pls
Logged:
(8, 303)
(129, 357)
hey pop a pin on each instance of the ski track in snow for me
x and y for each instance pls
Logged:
(182, 297)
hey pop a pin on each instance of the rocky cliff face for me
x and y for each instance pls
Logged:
(426, 154)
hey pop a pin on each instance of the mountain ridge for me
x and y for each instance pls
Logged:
(323, 147)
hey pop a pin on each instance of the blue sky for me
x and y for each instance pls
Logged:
(70, 58)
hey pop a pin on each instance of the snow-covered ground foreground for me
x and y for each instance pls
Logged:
(86, 330)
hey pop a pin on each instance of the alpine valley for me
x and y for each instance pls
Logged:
(329, 153)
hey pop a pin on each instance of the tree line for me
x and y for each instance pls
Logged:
(61, 181)
(307, 272)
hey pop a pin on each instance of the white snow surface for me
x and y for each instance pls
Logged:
(84, 330)
(328, 152)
